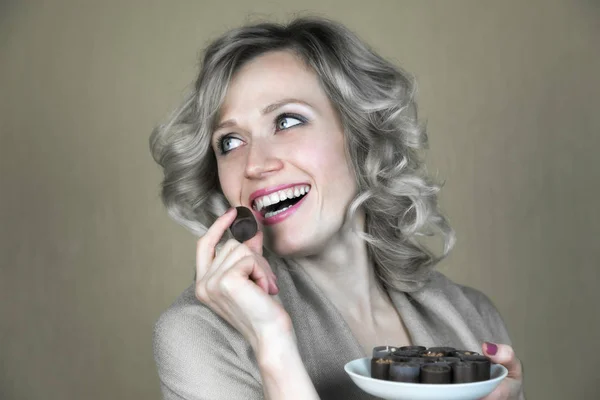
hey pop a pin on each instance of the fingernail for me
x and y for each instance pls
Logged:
(274, 287)
(491, 348)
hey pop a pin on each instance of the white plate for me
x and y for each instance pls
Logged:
(360, 372)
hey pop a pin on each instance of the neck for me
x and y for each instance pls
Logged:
(345, 273)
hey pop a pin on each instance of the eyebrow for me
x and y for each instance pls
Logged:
(268, 109)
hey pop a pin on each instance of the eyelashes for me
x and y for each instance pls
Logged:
(280, 125)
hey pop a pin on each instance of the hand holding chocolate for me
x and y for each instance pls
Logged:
(244, 227)
(417, 364)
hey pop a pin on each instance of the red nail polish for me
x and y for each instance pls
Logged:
(491, 348)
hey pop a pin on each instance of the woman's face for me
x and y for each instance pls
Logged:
(277, 134)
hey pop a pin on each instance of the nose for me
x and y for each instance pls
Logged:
(261, 161)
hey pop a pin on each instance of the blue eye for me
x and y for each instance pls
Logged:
(286, 121)
(225, 144)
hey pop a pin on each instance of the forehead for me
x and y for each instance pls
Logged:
(269, 78)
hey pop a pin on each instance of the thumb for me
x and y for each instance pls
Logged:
(505, 355)
(255, 243)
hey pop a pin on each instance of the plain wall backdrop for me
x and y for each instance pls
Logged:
(89, 257)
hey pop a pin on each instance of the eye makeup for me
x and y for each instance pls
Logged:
(220, 142)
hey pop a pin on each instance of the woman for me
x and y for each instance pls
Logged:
(318, 135)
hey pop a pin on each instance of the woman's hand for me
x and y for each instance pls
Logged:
(511, 387)
(236, 281)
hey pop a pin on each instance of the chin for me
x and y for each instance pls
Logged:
(296, 249)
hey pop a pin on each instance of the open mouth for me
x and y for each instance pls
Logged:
(278, 202)
(274, 209)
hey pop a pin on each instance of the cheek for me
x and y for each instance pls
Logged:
(320, 154)
(228, 182)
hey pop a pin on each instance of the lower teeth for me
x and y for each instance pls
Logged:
(272, 213)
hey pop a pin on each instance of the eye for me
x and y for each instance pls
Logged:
(286, 121)
(227, 143)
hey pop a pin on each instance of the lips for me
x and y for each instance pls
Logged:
(272, 189)
(283, 214)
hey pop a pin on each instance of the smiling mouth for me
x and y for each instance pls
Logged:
(280, 207)
(267, 210)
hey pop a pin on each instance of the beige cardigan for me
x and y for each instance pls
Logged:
(201, 357)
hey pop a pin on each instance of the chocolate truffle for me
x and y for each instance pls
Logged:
(244, 227)
(460, 353)
(463, 372)
(401, 358)
(434, 373)
(405, 372)
(405, 353)
(423, 360)
(433, 354)
(383, 351)
(482, 365)
(417, 349)
(380, 368)
(440, 349)
(449, 360)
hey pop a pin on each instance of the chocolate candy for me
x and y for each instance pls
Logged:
(482, 366)
(405, 372)
(436, 365)
(380, 363)
(463, 372)
(405, 353)
(423, 360)
(460, 353)
(380, 368)
(383, 351)
(244, 227)
(447, 350)
(434, 354)
(449, 360)
(418, 349)
(436, 373)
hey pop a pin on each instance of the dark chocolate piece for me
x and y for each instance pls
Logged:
(460, 353)
(383, 351)
(418, 360)
(434, 354)
(401, 358)
(380, 368)
(405, 372)
(441, 349)
(423, 360)
(417, 349)
(449, 360)
(482, 366)
(463, 372)
(405, 353)
(434, 373)
(244, 227)
(438, 362)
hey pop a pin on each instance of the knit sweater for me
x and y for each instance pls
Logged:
(201, 357)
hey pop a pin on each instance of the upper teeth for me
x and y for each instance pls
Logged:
(276, 197)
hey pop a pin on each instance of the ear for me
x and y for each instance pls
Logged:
(255, 243)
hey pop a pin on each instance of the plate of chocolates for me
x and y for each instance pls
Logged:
(420, 373)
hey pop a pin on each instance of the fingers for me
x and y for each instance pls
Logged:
(212, 265)
(256, 243)
(505, 355)
(248, 264)
(502, 392)
(205, 249)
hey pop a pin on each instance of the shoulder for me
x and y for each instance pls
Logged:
(188, 319)
(440, 282)
(196, 352)
(468, 298)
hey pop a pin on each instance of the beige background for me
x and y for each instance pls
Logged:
(89, 257)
